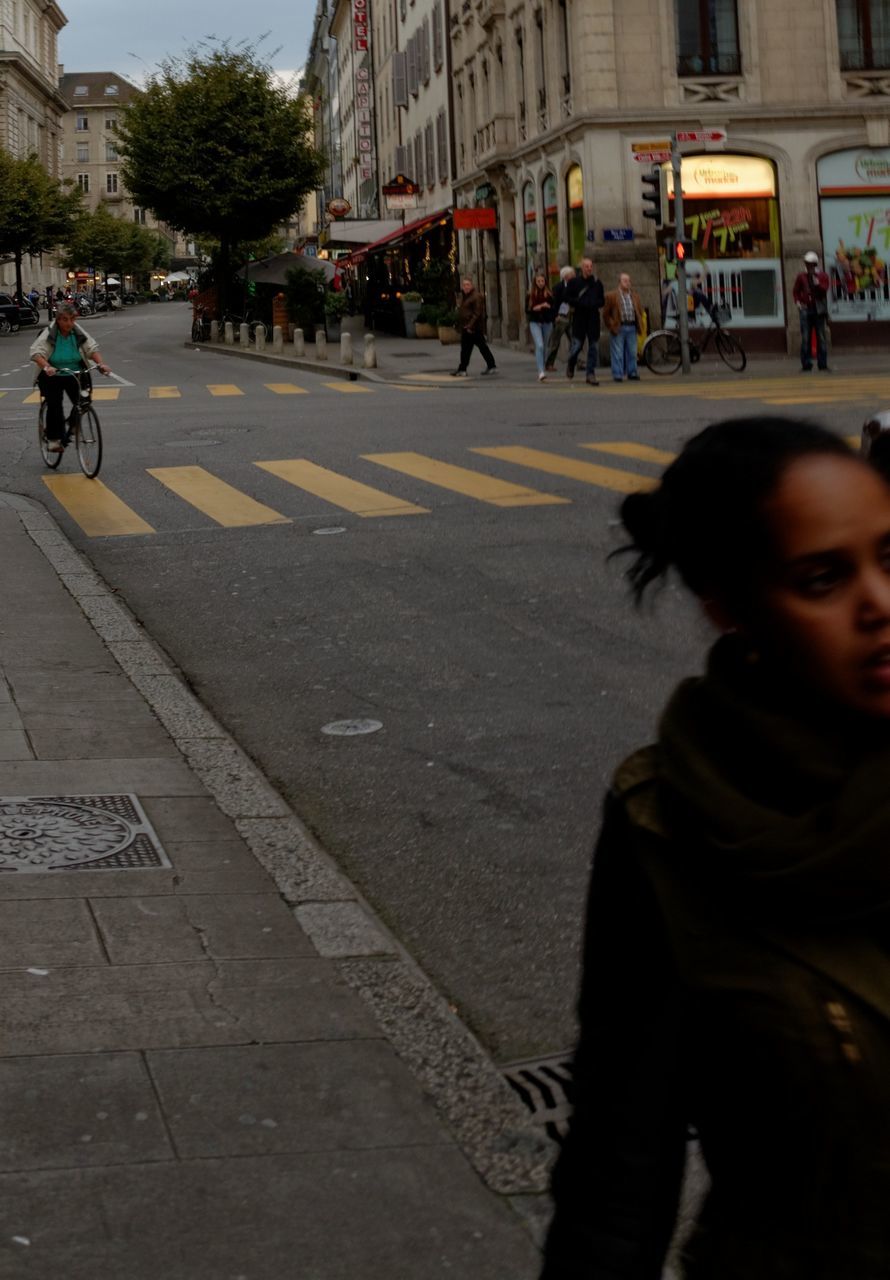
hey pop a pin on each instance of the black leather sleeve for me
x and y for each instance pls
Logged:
(616, 1184)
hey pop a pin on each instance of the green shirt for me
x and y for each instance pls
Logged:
(66, 354)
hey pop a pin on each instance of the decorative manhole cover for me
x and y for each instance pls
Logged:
(351, 728)
(340, 528)
(73, 833)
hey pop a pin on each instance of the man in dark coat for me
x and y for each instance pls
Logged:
(586, 295)
(471, 323)
(811, 295)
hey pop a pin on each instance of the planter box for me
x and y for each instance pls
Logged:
(425, 330)
(410, 312)
(447, 335)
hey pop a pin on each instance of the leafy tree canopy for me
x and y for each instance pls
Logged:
(216, 148)
(100, 240)
(36, 211)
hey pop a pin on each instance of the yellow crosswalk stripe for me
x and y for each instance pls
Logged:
(164, 393)
(557, 465)
(286, 389)
(348, 388)
(33, 398)
(339, 490)
(644, 452)
(472, 484)
(3, 393)
(226, 505)
(224, 389)
(98, 511)
(106, 393)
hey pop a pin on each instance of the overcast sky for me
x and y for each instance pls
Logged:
(101, 35)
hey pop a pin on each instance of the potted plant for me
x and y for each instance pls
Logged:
(335, 307)
(448, 331)
(305, 293)
(427, 323)
(411, 304)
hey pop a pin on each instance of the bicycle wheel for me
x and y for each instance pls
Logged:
(89, 442)
(197, 331)
(662, 353)
(731, 351)
(50, 460)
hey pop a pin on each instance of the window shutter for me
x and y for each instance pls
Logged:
(438, 33)
(418, 158)
(425, 51)
(402, 160)
(400, 79)
(442, 145)
(430, 156)
(412, 65)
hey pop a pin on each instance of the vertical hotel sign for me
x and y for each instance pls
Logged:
(364, 97)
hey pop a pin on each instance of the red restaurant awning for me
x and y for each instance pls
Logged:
(390, 241)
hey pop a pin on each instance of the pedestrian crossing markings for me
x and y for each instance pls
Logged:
(102, 513)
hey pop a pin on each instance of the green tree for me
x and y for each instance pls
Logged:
(215, 147)
(36, 211)
(98, 241)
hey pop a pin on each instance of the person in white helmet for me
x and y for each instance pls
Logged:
(811, 295)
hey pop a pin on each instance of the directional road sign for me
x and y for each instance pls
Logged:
(652, 157)
(702, 135)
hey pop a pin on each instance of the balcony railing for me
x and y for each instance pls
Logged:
(727, 63)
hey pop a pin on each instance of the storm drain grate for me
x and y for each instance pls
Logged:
(546, 1087)
(77, 833)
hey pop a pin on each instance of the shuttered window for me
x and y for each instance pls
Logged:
(430, 156)
(400, 79)
(402, 160)
(413, 69)
(425, 62)
(442, 145)
(438, 35)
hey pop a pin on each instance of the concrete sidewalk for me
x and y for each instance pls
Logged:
(214, 1062)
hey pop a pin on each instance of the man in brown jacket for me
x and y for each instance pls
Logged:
(623, 317)
(471, 323)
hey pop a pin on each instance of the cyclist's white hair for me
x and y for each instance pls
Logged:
(67, 309)
(565, 272)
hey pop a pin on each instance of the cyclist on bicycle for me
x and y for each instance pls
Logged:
(63, 349)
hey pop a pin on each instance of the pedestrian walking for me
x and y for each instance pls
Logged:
(471, 323)
(736, 968)
(586, 297)
(623, 317)
(49, 303)
(539, 309)
(810, 292)
(562, 317)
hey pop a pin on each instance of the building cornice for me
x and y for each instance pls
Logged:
(46, 88)
(52, 11)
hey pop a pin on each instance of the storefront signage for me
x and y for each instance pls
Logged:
(714, 230)
(854, 206)
(663, 144)
(652, 157)
(399, 200)
(364, 102)
(857, 169)
(401, 186)
(725, 175)
(475, 219)
(339, 207)
(618, 233)
(702, 135)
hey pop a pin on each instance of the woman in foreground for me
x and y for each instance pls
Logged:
(737, 958)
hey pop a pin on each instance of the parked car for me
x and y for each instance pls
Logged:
(10, 316)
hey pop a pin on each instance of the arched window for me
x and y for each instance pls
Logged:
(551, 227)
(575, 208)
(530, 220)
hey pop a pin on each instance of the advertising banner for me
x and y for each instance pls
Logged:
(856, 236)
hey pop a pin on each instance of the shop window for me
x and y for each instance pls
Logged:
(854, 207)
(551, 227)
(863, 29)
(530, 220)
(707, 38)
(575, 207)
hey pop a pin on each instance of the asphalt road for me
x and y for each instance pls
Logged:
(494, 642)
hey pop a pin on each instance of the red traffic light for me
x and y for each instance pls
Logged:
(681, 251)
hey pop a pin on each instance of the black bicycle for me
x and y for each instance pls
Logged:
(662, 352)
(201, 325)
(83, 428)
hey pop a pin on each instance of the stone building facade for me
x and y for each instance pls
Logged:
(555, 100)
(31, 106)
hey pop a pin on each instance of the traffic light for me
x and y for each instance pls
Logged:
(652, 196)
(685, 250)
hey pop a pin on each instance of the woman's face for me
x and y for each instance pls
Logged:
(541, 280)
(826, 605)
(65, 323)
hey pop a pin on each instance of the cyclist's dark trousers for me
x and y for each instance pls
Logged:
(53, 388)
(467, 342)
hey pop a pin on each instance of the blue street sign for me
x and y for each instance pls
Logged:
(618, 233)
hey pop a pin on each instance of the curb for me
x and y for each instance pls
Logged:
(342, 371)
(469, 1093)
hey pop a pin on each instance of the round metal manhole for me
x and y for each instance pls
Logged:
(340, 528)
(351, 728)
(45, 835)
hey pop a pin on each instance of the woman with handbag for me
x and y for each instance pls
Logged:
(539, 310)
(737, 958)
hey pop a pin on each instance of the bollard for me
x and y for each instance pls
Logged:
(277, 340)
(230, 334)
(370, 360)
(321, 345)
(299, 344)
(346, 348)
(244, 335)
(260, 338)
(214, 331)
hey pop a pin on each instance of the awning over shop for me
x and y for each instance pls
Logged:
(274, 270)
(416, 228)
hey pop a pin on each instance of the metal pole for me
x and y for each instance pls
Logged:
(679, 228)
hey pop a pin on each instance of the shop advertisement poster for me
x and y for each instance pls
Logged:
(856, 237)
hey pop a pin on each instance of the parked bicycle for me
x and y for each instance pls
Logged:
(662, 352)
(83, 427)
(201, 325)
